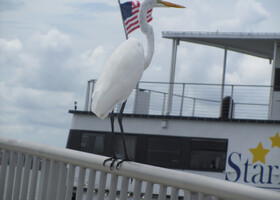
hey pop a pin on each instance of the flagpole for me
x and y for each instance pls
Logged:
(126, 36)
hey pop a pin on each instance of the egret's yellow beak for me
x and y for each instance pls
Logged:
(168, 4)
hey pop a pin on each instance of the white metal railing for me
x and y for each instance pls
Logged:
(35, 171)
(198, 100)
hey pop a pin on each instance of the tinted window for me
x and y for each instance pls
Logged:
(277, 80)
(163, 151)
(131, 143)
(208, 154)
(93, 143)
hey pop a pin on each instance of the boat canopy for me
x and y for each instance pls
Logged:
(256, 44)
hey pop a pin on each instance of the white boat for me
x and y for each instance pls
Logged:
(229, 132)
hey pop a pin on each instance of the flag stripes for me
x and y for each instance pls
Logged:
(130, 11)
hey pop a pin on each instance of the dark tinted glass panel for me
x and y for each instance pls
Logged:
(208, 160)
(131, 142)
(163, 151)
(277, 80)
(208, 154)
(93, 143)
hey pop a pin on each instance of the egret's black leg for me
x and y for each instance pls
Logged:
(120, 117)
(113, 139)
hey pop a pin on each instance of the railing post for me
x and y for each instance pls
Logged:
(137, 189)
(44, 179)
(50, 181)
(81, 181)
(87, 97)
(26, 175)
(113, 187)
(34, 176)
(174, 193)
(162, 192)
(3, 173)
(102, 184)
(124, 188)
(231, 103)
(193, 111)
(91, 181)
(70, 181)
(187, 195)
(61, 181)
(18, 176)
(149, 191)
(163, 104)
(182, 100)
(11, 174)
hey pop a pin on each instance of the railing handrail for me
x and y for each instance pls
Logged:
(198, 100)
(177, 179)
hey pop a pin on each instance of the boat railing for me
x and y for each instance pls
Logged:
(35, 171)
(196, 100)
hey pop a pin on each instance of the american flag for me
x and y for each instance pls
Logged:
(130, 12)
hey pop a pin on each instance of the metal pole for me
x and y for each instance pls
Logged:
(126, 36)
(223, 80)
(87, 97)
(182, 100)
(172, 75)
(272, 92)
(193, 111)
(136, 98)
(231, 103)
(163, 104)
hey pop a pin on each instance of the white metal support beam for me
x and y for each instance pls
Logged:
(223, 80)
(172, 75)
(274, 105)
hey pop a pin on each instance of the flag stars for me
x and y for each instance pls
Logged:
(259, 153)
(275, 140)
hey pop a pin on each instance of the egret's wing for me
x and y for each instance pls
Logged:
(121, 73)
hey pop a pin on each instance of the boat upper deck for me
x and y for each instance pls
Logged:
(243, 103)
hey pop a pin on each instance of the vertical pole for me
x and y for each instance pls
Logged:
(126, 36)
(223, 81)
(182, 99)
(275, 65)
(193, 111)
(136, 99)
(231, 103)
(163, 104)
(87, 97)
(172, 75)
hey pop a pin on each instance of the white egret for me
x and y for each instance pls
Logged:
(123, 71)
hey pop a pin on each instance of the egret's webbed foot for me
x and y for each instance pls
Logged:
(120, 162)
(113, 159)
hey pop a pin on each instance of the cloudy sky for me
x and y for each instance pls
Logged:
(50, 49)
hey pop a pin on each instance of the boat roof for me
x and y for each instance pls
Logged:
(255, 44)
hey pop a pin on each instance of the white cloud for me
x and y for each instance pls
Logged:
(248, 15)
(249, 70)
(53, 40)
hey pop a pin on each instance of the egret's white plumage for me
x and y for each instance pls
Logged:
(125, 67)
(121, 73)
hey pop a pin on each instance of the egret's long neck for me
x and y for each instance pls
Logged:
(148, 31)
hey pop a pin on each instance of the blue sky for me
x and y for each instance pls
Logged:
(50, 49)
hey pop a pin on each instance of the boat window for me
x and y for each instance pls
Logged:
(277, 80)
(93, 143)
(131, 142)
(208, 155)
(205, 154)
(164, 151)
